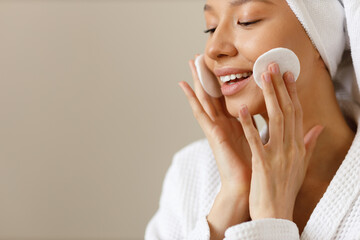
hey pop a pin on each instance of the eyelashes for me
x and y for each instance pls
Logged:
(244, 24)
(211, 30)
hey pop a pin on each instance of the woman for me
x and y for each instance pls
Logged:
(302, 170)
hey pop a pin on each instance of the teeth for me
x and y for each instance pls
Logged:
(225, 78)
(234, 76)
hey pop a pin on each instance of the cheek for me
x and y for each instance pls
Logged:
(276, 33)
(210, 63)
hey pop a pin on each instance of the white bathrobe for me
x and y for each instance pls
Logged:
(192, 181)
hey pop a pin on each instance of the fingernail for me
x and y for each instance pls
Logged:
(290, 77)
(275, 68)
(267, 77)
(244, 110)
(319, 133)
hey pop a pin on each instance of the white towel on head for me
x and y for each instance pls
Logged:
(324, 22)
(333, 27)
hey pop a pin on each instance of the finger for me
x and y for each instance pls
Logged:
(310, 140)
(285, 102)
(251, 134)
(254, 123)
(218, 104)
(291, 86)
(276, 125)
(197, 109)
(203, 97)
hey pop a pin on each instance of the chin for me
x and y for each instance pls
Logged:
(255, 104)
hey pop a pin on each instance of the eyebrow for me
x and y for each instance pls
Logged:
(235, 3)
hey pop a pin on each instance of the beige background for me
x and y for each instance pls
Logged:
(91, 113)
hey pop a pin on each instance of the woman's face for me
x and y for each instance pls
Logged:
(242, 30)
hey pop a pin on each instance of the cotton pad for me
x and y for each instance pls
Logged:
(208, 80)
(285, 58)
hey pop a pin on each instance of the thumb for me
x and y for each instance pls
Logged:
(311, 138)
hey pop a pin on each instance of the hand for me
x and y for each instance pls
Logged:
(279, 167)
(225, 136)
(232, 154)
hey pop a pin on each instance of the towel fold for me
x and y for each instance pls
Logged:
(333, 27)
(324, 22)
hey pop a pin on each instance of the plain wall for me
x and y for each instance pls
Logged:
(91, 113)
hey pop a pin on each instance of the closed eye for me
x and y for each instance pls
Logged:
(211, 30)
(246, 24)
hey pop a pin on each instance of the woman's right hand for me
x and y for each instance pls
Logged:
(225, 135)
(232, 154)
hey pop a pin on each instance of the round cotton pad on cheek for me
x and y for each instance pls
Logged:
(208, 80)
(285, 58)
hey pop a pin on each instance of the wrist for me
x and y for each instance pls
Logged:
(229, 209)
(273, 213)
(234, 191)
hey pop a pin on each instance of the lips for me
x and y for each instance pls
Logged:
(234, 86)
(232, 80)
(228, 71)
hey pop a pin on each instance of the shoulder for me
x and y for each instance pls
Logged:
(195, 165)
(189, 188)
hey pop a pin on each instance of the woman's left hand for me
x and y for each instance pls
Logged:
(278, 167)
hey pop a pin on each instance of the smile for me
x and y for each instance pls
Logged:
(233, 78)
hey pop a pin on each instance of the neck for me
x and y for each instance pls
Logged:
(335, 140)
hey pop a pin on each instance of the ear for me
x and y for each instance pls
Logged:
(319, 59)
(317, 54)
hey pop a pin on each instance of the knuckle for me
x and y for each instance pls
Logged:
(292, 89)
(202, 98)
(289, 109)
(248, 121)
(218, 134)
(300, 150)
(299, 116)
(269, 91)
(292, 152)
(261, 165)
(280, 82)
(298, 109)
(299, 112)
(197, 113)
(278, 118)
(251, 138)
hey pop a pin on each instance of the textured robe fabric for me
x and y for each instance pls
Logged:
(192, 183)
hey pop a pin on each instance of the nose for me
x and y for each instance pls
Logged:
(221, 44)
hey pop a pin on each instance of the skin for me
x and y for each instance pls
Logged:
(309, 137)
